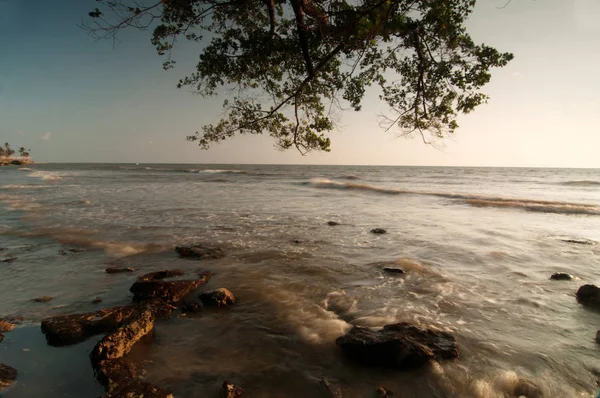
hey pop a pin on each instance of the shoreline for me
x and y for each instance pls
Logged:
(16, 162)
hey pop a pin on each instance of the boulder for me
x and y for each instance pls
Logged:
(153, 286)
(6, 326)
(561, 276)
(118, 343)
(199, 252)
(393, 270)
(114, 270)
(383, 392)
(378, 231)
(229, 390)
(589, 296)
(399, 346)
(43, 299)
(332, 223)
(8, 376)
(218, 298)
(71, 329)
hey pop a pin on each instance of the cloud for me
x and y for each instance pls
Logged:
(47, 136)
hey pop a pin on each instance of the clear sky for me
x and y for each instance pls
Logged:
(72, 99)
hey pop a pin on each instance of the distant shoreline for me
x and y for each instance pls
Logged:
(15, 161)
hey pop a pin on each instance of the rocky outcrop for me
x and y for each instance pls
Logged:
(199, 252)
(6, 326)
(8, 376)
(589, 296)
(398, 346)
(114, 270)
(217, 298)
(561, 276)
(43, 299)
(229, 390)
(71, 329)
(393, 270)
(378, 231)
(153, 286)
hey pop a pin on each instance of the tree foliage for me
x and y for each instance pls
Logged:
(287, 67)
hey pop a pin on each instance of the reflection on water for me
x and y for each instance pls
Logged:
(477, 264)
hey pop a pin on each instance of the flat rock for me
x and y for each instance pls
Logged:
(199, 252)
(153, 286)
(400, 346)
(378, 231)
(71, 329)
(218, 298)
(383, 392)
(393, 270)
(229, 390)
(6, 326)
(8, 376)
(43, 299)
(118, 343)
(561, 276)
(589, 296)
(114, 270)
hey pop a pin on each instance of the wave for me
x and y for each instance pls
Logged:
(22, 186)
(541, 206)
(45, 175)
(582, 183)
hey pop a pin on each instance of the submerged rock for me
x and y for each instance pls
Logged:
(229, 390)
(153, 286)
(589, 296)
(199, 252)
(71, 329)
(219, 298)
(329, 389)
(139, 389)
(8, 376)
(378, 231)
(192, 307)
(115, 270)
(97, 300)
(393, 270)
(399, 346)
(8, 259)
(43, 299)
(332, 223)
(561, 276)
(383, 392)
(6, 326)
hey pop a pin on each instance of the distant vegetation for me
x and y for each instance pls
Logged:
(7, 155)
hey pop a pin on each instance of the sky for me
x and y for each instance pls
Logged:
(73, 99)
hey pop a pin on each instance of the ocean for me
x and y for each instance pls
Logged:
(478, 246)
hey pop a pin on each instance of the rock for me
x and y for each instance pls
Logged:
(399, 346)
(332, 223)
(229, 390)
(1, 337)
(393, 270)
(71, 329)
(561, 276)
(6, 326)
(158, 307)
(378, 231)
(579, 241)
(296, 241)
(43, 299)
(118, 343)
(598, 337)
(527, 388)
(589, 295)
(8, 376)
(116, 374)
(383, 392)
(8, 260)
(219, 298)
(97, 300)
(199, 252)
(113, 270)
(139, 389)
(329, 389)
(153, 286)
(192, 307)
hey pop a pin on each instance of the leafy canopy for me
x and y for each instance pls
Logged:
(287, 67)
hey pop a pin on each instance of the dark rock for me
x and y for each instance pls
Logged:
(158, 307)
(527, 388)
(383, 392)
(332, 223)
(1, 337)
(153, 286)
(118, 343)
(378, 231)
(561, 276)
(329, 389)
(112, 270)
(393, 270)
(6, 326)
(116, 374)
(199, 252)
(72, 250)
(139, 389)
(8, 260)
(3, 248)
(296, 241)
(192, 307)
(8, 376)
(229, 390)
(579, 241)
(97, 300)
(598, 337)
(71, 329)
(589, 295)
(400, 346)
(219, 298)
(43, 299)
